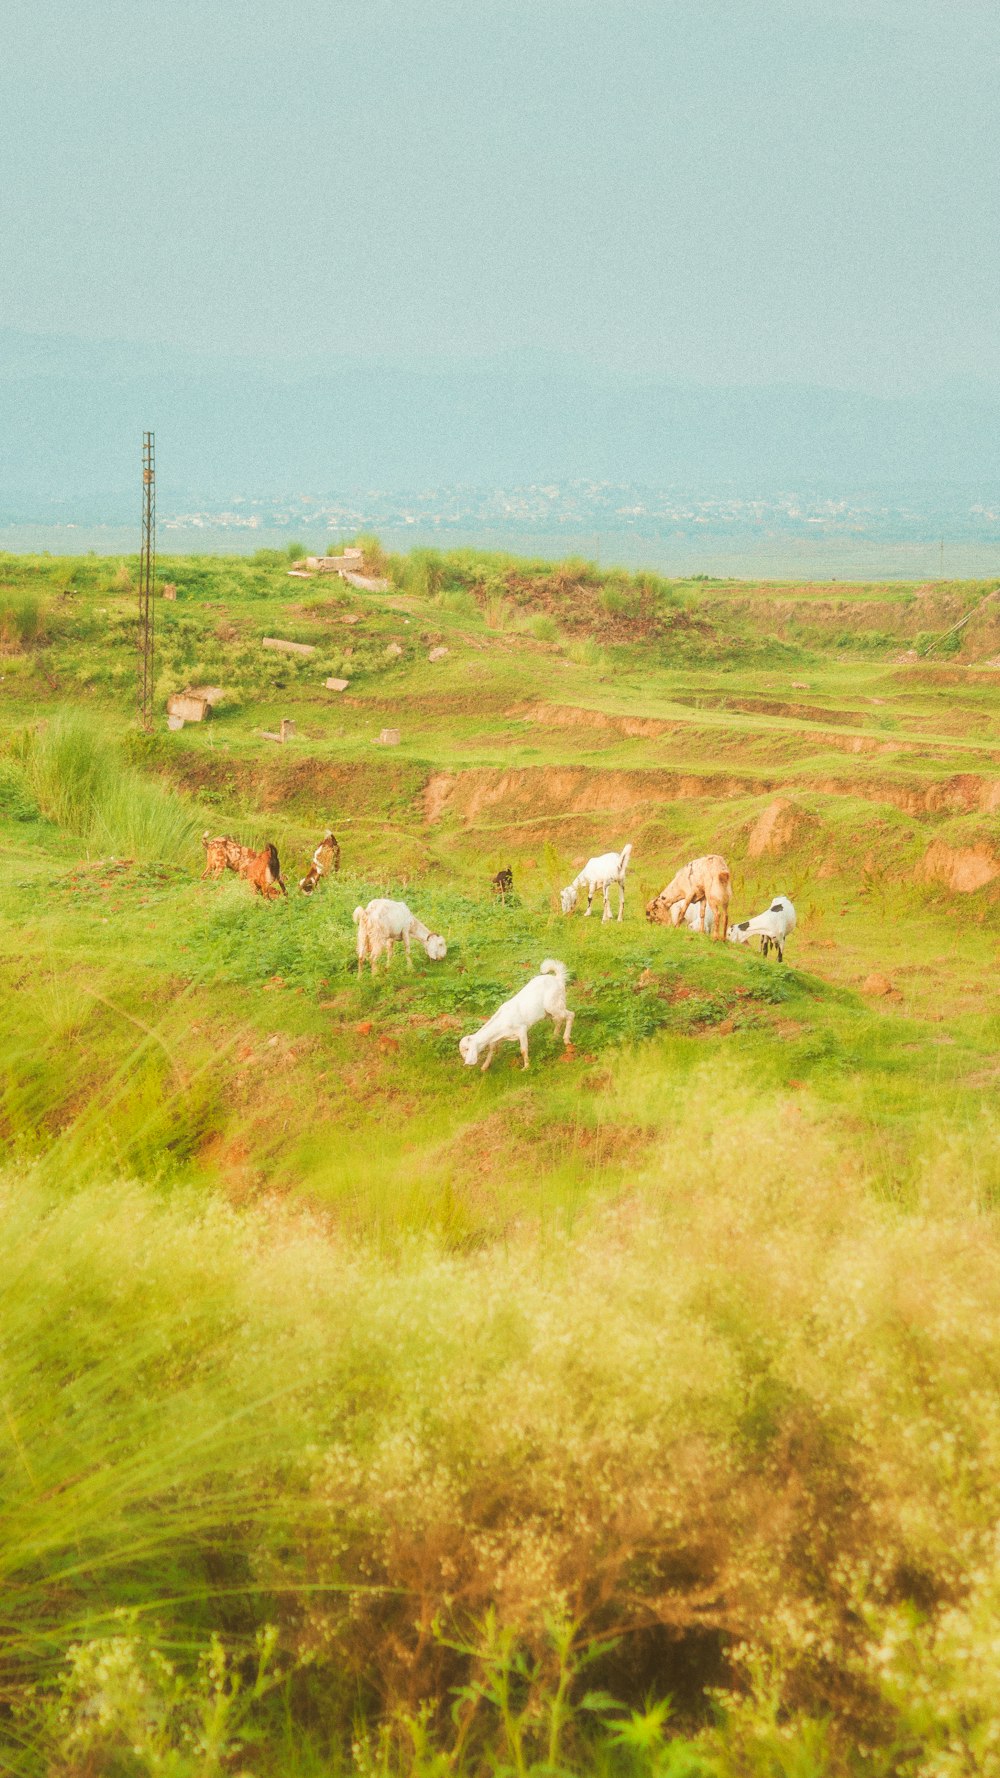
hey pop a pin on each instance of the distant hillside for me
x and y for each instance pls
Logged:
(71, 412)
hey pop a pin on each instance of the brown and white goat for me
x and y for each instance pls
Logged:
(704, 879)
(260, 869)
(325, 862)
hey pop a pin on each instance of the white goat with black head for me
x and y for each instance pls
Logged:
(599, 873)
(772, 927)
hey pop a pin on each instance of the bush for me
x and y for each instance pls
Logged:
(16, 800)
(22, 619)
(82, 782)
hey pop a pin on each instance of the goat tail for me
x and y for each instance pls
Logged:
(626, 855)
(552, 967)
(358, 915)
(206, 837)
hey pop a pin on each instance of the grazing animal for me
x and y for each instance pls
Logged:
(325, 861)
(703, 880)
(382, 923)
(599, 873)
(773, 926)
(698, 918)
(544, 996)
(503, 884)
(221, 854)
(261, 869)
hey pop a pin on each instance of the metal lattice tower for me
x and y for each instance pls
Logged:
(147, 576)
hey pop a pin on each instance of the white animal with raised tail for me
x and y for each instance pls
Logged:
(599, 873)
(383, 923)
(543, 997)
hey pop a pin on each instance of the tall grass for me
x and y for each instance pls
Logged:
(81, 781)
(741, 1426)
(23, 618)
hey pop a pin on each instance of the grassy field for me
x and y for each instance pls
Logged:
(636, 1414)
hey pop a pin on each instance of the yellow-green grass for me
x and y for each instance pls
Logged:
(686, 1339)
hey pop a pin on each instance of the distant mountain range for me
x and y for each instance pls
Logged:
(71, 415)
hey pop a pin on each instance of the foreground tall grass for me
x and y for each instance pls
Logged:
(81, 780)
(734, 1439)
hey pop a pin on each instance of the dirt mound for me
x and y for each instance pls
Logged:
(543, 792)
(965, 793)
(783, 824)
(646, 728)
(960, 868)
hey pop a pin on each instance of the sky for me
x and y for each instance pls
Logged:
(716, 194)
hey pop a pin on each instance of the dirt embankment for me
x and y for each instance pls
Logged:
(962, 869)
(311, 787)
(538, 792)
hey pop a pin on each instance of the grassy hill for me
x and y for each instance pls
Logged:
(361, 1411)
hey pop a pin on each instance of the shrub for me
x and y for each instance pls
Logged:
(22, 619)
(81, 782)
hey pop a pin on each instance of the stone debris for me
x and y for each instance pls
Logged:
(438, 654)
(298, 574)
(365, 582)
(393, 651)
(285, 733)
(169, 589)
(189, 706)
(388, 737)
(175, 722)
(288, 647)
(336, 684)
(212, 694)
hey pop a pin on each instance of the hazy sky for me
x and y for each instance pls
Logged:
(713, 192)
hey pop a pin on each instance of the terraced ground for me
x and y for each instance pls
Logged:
(627, 1270)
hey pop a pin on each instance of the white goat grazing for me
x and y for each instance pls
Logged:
(544, 995)
(599, 873)
(773, 926)
(382, 923)
(697, 918)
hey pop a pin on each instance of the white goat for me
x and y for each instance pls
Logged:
(698, 917)
(599, 873)
(382, 923)
(544, 995)
(773, 926)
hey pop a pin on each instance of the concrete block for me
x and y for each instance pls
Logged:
(281, 647)
(389, 737)
(188, 707)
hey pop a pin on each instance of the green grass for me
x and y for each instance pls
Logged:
(359, 1411)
